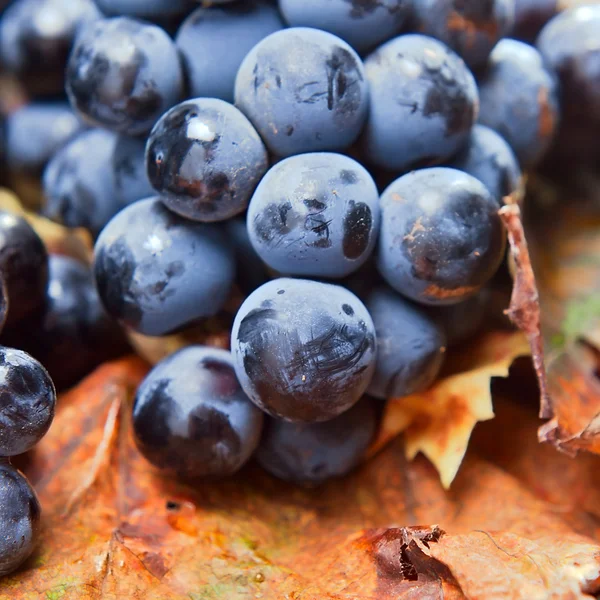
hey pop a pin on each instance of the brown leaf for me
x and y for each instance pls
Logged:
(114, 528)
(439, 421)
(568, 274)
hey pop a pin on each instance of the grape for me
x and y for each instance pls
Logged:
(362, 24)
(157, 272)
(79, 189)
(519, 100)
(303, 350)
(191, 417)
(73, 334)
(27, 400)
(410, 346)
(24, 267)
(213, 42)
(311, 453)
(148, 9)
(315, 214)
(205, 159)
(123, 74)
(441, 237)
(35, 132)
(470, 27)
(36, 37)
(489, 158)
(19, 519)
(318, 104)
(423, 103)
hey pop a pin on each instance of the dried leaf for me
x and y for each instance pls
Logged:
(439, 421)
(568, 273)
(131, 533)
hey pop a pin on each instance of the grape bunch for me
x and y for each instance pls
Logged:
(324, 176)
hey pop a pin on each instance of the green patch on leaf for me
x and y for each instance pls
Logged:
(582, 316)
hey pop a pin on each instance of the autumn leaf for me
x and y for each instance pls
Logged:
(115, 528)
(568, 274)
(438, 422)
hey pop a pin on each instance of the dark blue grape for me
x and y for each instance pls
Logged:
(531, 16)
(35, 132)
(312, 453)
(441, 237)
(423, 103)
(362, 23)
(129, 168)
(570, 47)
(123, 74)
(24, 267)
(157, 272)
(191, 417)
(518, 98)
(205, 159)
(489, 158)
(73, 334)
(27, 401)
(147, 9)
(410, 346)
(251, 271)
(464, 320)
(470, 27)
(79, 185)
(315, 215)
(303, 350)
(214, 41)
(36, 37)
(20, 513)
(304, 90)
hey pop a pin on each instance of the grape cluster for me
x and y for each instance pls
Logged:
(332, 169)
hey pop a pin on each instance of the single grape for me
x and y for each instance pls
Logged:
(410, 346)
(318, 103)
(191, 417)
(20, 513)
(35, 132)
(441, 236)
(123, 74)
(129, 168)
(315, 215)
(27, 401)
(73, 334)
(24, 267)
(156, 272)
(36, 37)
(79, 189)
(362, 24)
(519, 99)
(470, 27)
(214, 41)
(423, 103)
(489, 158)
(531, 16)
(311, 453)
(205, 158)
(146, 9)
(570, 47)
(303, 350)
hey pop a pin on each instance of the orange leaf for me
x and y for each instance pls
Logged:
(114, 528)
(439, 421)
